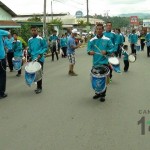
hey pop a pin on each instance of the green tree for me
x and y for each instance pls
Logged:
(35, 19)
(54, 22)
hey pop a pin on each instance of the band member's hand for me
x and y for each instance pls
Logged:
(39, 56)
(103, 52)
(91, 53)
(112, 55)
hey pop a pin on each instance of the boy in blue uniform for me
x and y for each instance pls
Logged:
(2, 65)
(125, 58)
(103, 45)
(119, 42)
(54, 44)
(18, 50)
(37, 49)
(133, 39)
(10, 53)
(63, 45)
(109, 33)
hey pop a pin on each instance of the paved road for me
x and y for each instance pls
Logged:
(65, 117)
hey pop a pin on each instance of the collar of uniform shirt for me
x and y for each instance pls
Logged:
(34, 36)
(99, 36)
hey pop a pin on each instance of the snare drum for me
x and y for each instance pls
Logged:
(17, 63)
(33, 72)
(99, 78)
(114, 61)
(132, 58)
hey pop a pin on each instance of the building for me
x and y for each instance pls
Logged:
(6, 15)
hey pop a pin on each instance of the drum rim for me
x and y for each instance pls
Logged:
(101, 75)
(32, 71)
(132, 56)
(113, 58)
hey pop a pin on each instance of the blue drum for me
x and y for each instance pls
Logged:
(17, 63)
(99, 78)
(148, 43)
(137, 47)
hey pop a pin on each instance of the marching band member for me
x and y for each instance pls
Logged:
(103, 45)
(10, 53)
(2, 65)
(147, 38)
(112, 36)
(133, 39)
(37, 48)
(125, 58)
(54, 44)
(118, 42)
(18, 50)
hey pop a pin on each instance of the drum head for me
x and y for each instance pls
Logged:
(113, 60)
(32, 67)
(132, 58)
(102, 70)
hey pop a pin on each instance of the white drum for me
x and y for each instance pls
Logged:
(113, 60)
(132, 58)
(33, 72)
(115, 64)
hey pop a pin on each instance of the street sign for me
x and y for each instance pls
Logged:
(79, 14)
(134, 20)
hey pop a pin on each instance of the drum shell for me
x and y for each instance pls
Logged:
(17, 63)
(99, 82)
(137, 47)
(34, 75)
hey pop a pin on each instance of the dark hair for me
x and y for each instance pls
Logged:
(125, 46)
(108, 22)
(100, 25)
(133, 31)
(54, 31)
(33, 27)
(15, 33)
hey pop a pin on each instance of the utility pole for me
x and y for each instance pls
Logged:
(44, 20)
(52, 9)
(87, 2)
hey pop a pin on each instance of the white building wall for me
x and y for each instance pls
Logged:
(4, 15)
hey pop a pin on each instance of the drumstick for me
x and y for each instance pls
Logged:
(100, 51)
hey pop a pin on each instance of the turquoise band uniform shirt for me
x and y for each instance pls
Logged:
(17, 48)
(8, 44)
(2, 50)
(63, 42)
(133, 38)
(147, 37)
(125, 54)
(102, 43)
(37, 46)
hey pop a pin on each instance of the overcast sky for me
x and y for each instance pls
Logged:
(113, 7)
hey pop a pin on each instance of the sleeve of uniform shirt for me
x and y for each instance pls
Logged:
(3, 32)
(89, 46)
(19, 46)
(44, 46)
(111, 47)
(129, 38)
(60, 42)
(146, 38)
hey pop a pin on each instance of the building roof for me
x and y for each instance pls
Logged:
(9, 24)
(41, 15)
(8, 10)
